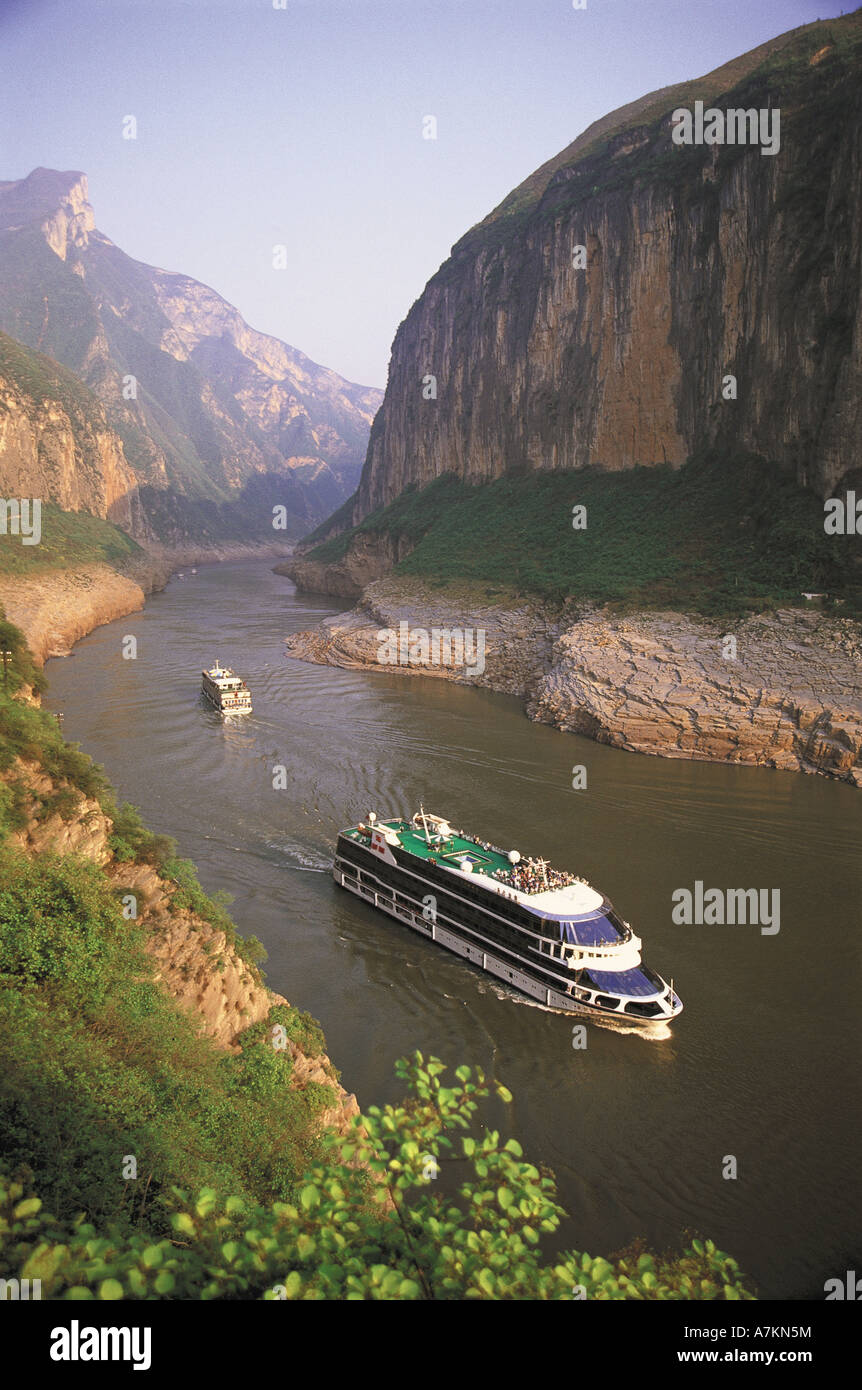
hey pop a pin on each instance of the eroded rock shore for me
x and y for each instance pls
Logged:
(785, 693)
(55, 608)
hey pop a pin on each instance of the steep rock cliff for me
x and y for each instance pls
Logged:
(56, 443)
(701, 262)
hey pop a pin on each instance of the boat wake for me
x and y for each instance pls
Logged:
(296, 856)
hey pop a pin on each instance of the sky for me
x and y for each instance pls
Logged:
(302, 127)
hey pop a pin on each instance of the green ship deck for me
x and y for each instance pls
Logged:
(450, 850)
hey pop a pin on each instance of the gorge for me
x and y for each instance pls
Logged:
(141, 396)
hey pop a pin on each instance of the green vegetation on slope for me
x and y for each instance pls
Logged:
(101, 1062)
(20, 670)
(68, 538)
(236, 1194)
(720, 536)
(411, 1241)
(44, 380)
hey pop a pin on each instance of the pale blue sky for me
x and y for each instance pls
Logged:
(303, 126)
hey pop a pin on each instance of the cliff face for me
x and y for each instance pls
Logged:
(56, 444)
(700, 262)
(210, 412)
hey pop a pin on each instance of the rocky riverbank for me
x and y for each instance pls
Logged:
(368, 557)
(782, 690)
(55, 608)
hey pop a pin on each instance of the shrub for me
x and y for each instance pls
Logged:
(369, 1223)
(130, 840)
(59, 923)
(20, 667)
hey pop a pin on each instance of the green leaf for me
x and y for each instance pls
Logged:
(29, 1207)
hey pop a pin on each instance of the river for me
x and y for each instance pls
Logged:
(763, 1065)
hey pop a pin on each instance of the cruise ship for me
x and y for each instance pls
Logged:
(539, 930)
(226, 691)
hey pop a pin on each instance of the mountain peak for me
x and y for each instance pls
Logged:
(57, 201)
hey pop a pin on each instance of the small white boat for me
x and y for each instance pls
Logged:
(225, 690)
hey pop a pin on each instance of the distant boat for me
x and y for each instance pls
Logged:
(226, 691)
(194, 571)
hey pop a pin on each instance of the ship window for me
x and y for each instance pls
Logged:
(632, 982)
(643, 1010)
(607, 1001)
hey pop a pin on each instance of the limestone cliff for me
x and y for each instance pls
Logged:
(699, 263)
(56, 443)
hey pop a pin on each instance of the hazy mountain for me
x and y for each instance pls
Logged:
(215, 411)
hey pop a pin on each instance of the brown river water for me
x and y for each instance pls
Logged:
(764, 1062)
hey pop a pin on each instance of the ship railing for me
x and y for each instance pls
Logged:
(602, 950)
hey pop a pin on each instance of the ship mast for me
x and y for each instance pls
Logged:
(425, 823)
